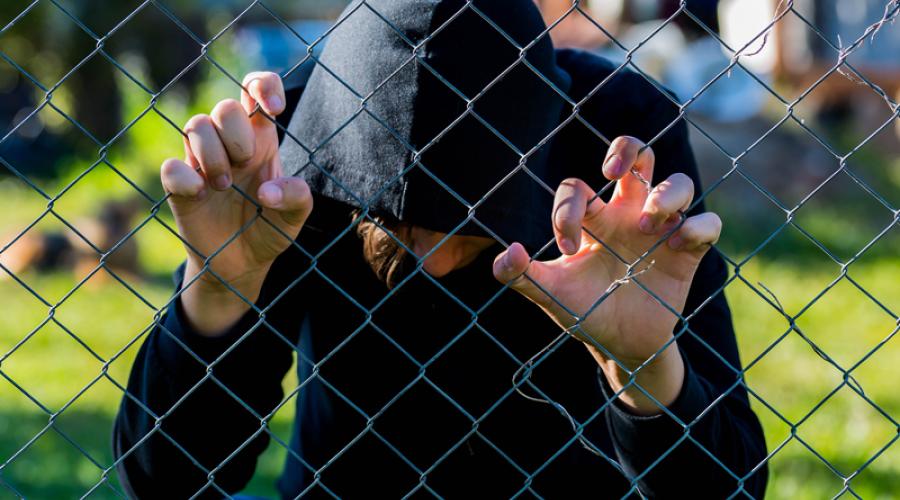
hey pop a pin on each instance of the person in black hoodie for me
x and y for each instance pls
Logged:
(443, 144)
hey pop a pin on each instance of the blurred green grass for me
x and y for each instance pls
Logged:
(53, 368)
(845, 430)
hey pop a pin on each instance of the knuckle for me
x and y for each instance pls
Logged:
(681, 177)
(262, 82)
(690, 232)
(241, 151)
(565, 220)
(270, 81)
(213, 161)
(628, 143)
(660, 190)
(302, 188)
(189, 188)
(617, 143)
(227, 107)
(253, 84)
(715, 221)
(240, 156)
(647, 152)
(175, 178)
(659, 198)
(249, 77)
(629, 149)
(197, 122)
(256, 86)
(653, 208)
(168, 168)
(683, 180)
(565, 191)
(270, 77)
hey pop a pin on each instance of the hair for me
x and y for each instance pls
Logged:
(381, 250)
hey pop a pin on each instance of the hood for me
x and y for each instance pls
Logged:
(426, 111)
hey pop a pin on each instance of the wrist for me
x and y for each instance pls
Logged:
(662, 378)
(212, 307)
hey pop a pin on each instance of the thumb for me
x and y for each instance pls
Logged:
(289, 196)
(530, 278)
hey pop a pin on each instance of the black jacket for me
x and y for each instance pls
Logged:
(449, 136)
(411, 388)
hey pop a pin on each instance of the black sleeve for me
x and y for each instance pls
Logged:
(709, 441)
(195, 404)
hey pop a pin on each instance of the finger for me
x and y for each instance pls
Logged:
(665, 204)
(266, 89)
(631, 162)
(514, 267)
(573, 203)
(290, 196)
(182, 180)
(189, 156)
(208, 150)
(697, 233)
(235, 131)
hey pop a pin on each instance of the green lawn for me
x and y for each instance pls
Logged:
(819, 433)
(52, 367)
(845, 430)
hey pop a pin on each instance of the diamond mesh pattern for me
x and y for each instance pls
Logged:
(152, 99)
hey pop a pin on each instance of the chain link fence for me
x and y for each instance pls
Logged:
(106, 367)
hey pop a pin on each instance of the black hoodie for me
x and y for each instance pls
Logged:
(434, 113)
(409, 390)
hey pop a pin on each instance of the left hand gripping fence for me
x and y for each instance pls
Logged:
(520, 384)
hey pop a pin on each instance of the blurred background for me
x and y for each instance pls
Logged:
(800, 161)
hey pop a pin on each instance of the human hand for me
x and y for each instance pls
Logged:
(231, 151)
(630, 324)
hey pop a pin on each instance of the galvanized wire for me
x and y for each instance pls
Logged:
(521, 377)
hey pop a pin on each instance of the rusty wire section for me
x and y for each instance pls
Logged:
(520, 379)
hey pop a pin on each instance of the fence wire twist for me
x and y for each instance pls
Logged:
(521, 377)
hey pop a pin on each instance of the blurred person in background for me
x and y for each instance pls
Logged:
(64, 250)
(616, 16)
(384, 244)
(676, 47)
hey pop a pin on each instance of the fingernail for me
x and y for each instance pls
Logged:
(675, 242)
(613, 166)
(568, 246)
(274, 103)
(200, 194)
(273, 194)
(645, 224)
(222, 182)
